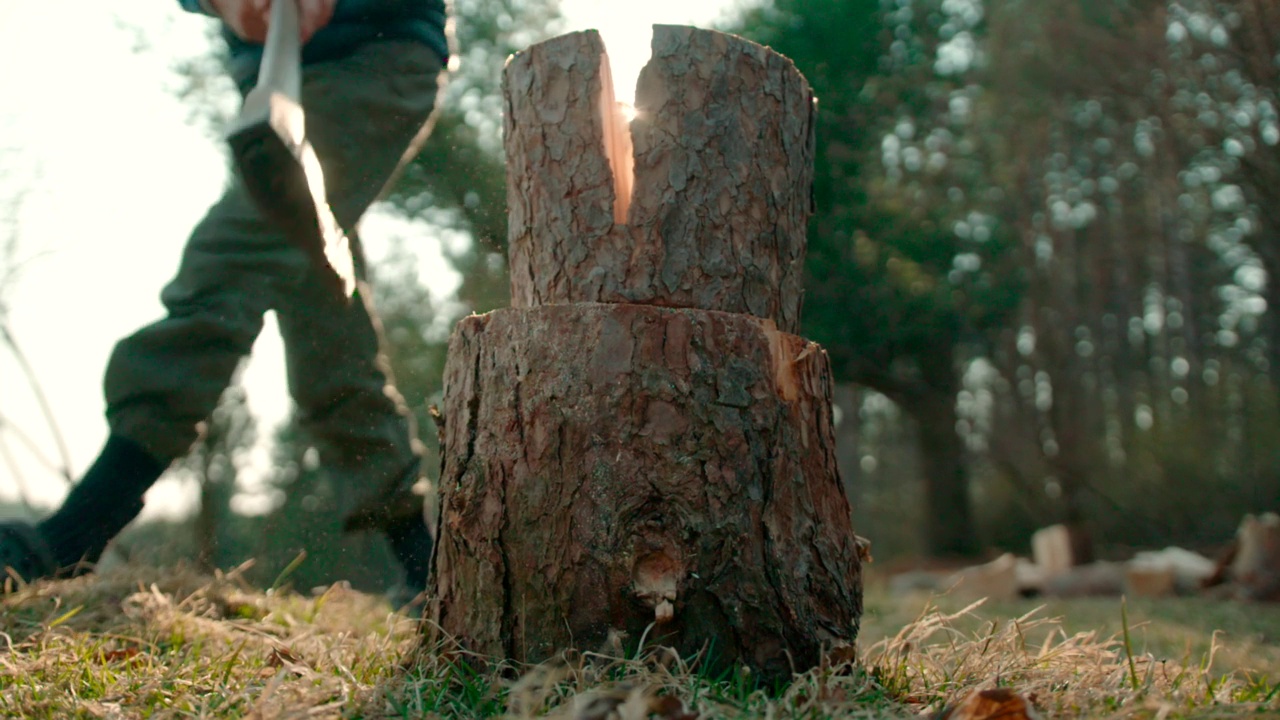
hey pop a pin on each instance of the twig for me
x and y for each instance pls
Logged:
(28, 443)
(41, 398)
(23, 491)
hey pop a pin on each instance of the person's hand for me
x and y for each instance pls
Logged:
(249, 18)
(246, 18)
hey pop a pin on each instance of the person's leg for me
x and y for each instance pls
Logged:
(166, 378)
(362, 112)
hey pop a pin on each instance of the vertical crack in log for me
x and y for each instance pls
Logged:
(616, 131)
(509, 617)
(473, 409)
(781, 603)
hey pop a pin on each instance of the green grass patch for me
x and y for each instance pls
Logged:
(174, 644)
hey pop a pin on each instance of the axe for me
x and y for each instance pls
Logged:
(276, 162)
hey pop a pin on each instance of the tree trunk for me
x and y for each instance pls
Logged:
(613, 465)
(1271, 321)
(949, 529)
(635, 450)
(931, 402)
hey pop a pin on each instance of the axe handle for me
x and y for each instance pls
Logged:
(281, 68)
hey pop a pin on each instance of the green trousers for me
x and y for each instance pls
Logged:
(362, 112)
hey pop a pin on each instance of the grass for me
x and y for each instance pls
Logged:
(174, 644)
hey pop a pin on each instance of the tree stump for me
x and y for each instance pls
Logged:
(636, 449)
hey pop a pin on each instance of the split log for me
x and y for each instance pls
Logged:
(716, 214)
(638, 448)
(1150, 582)
(610, 466)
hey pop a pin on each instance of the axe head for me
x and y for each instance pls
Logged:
(283, 176)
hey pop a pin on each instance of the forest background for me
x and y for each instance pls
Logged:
(1041, 262)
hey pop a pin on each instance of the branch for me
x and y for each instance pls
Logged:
(29, 444)
(45, 408)
(23, 492)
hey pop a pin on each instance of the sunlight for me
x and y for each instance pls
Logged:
(627, 30)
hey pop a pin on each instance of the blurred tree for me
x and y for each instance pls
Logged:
(16, 186)
(1222, 111)
(909, 269)
(1136, 235)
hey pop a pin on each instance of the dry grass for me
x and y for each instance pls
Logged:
(145, 643)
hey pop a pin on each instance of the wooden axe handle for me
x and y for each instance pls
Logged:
(281, 68)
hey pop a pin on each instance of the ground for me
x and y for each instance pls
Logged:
(165, 644)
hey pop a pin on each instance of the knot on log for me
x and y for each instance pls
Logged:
(656, 579)
(700, 201)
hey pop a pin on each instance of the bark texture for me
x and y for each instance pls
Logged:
(723, 164)
(635, 450)
(610, 465)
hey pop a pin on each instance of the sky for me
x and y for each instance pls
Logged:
(111, 170)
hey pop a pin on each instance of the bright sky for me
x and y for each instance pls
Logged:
(117, 173)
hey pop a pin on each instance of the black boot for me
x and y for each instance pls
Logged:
(106, 499)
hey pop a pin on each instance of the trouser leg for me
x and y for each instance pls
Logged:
(162, 381)
(338, 370)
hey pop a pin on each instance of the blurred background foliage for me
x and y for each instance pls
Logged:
(1041, 262)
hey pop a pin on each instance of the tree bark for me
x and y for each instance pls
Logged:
(612, 465)
(635, 450)
(723, 165)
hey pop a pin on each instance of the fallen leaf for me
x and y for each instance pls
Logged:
(120, 655)
(629, 703)
(281, 656)
(843, 654)
(993, 704)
